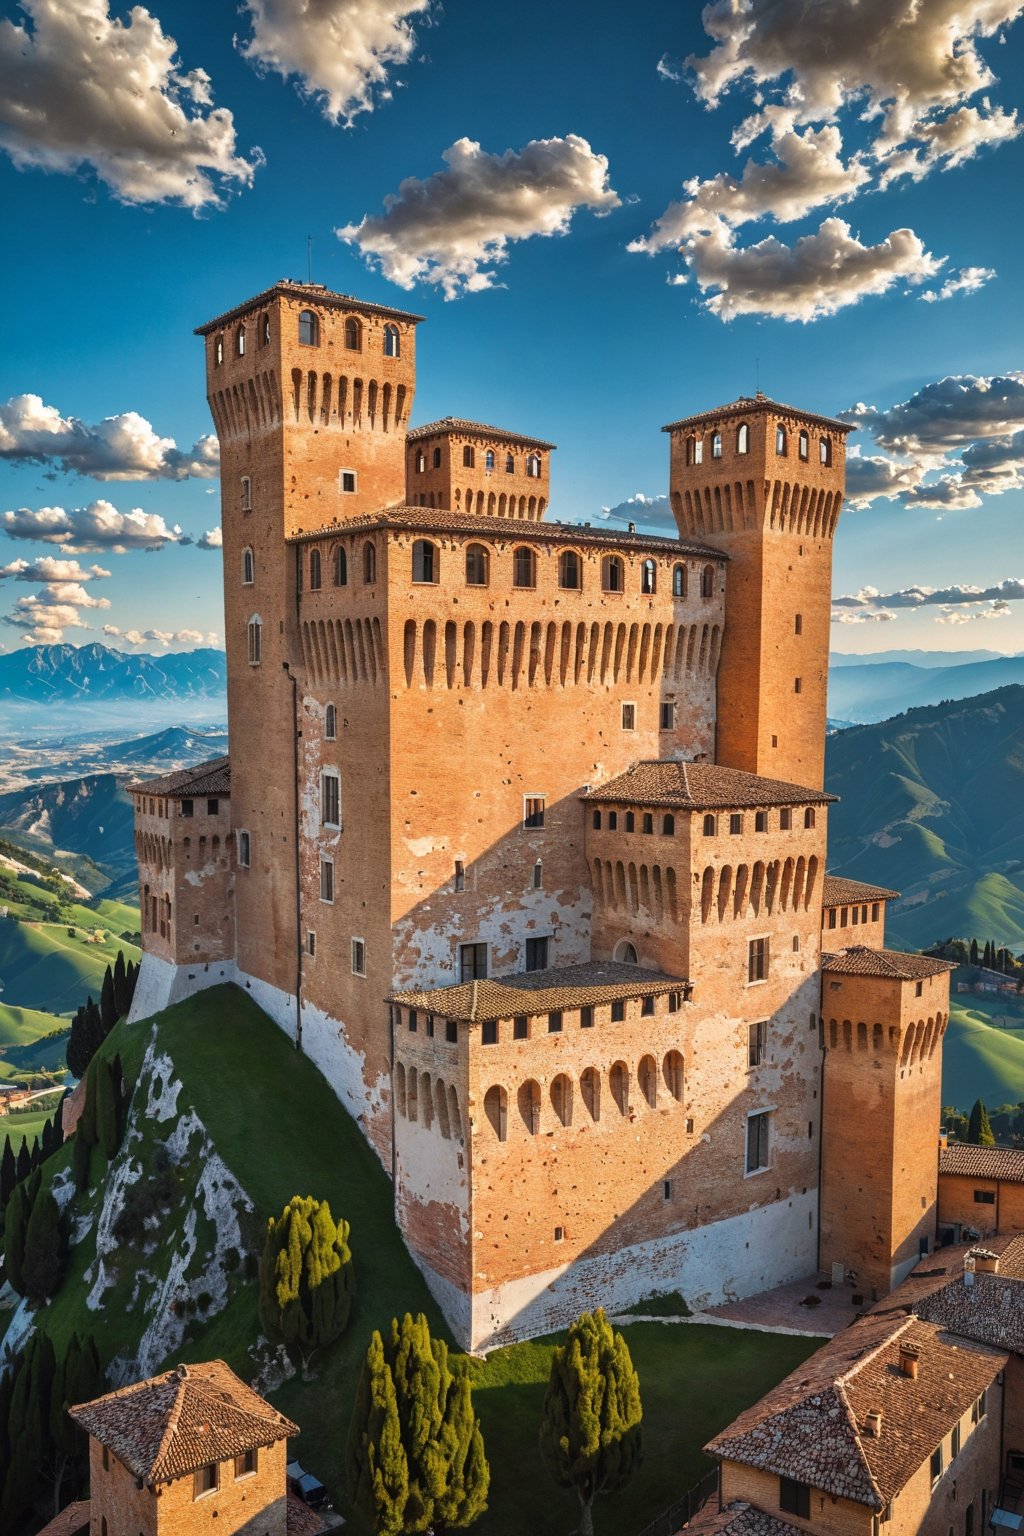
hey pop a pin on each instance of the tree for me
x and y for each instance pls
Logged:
(24, 1163)
(8, 1173)
(415, 1453)
(79, 1378)
(590, 1435)
(974, 951)
(16, 1220)
(307, 1279)
(979, 1129)
(28, 1443)
(122, 990)
(85, 1039)
(105, 1078)
(108, 1008)
(46, 1249)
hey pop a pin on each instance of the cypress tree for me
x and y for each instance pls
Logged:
(24, 1163)
(78, 1379)
(108, 1008)
(85, 1039)
(979, 1127)
(15, 1222)
(415, 1454)
(590, 1434)
(974, 951)
(46, 1249)
(122, 996)
(105, 1079)
(8, 1173)
(307, 1279)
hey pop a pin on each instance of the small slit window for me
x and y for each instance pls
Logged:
(248, 570)
(330, 723)
(254, 637)
(246, 494)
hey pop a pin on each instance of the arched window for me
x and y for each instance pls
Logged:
(309, 329)
(804, 445)
(392, 341)
(716, 445)
(625, 953)
(618, 1082)
(248, 570)
(529, 1105)
(421, 461)
(369, 563)
(524, 567)
(426, 564)
(476, 565)
(590, 1091)
(240, 341)
(743, 438)
(314, 570)
(780, 439)
(679, 581)
(613, 574)
(672, 1072)
(264, 330)
(510, 464)
(696, 450)
(533, 466)
(246, 494)
(218, 351)
(647, 1075)
(710, 825)
(561, 1098)
(353, 334)
(707, 581)
(648, 577)
(330, 723)
(809, 817)
(496, 1110)
(570, 574)
(254, 631)
(825, 450)
(437, 458)
(489, 459)
(340, 567)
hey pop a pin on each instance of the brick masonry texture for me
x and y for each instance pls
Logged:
(468, 742)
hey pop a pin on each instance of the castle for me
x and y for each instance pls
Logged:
(523, 841)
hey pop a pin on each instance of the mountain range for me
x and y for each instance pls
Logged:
(45, 673)
(860, 693)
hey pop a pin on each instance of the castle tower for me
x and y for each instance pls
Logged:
(484, 471)
(764, 483)
(884, 1014)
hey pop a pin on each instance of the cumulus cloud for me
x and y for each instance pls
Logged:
(948, 142)
(649, 513)
(340, 54)
(957, 615)
(847, 616)
(97, 526)
(189, 638)
(453, 229)
(1010, 590)
(214, 539)
(123, 447)
(81, 88)
(967, 280)
(946, 416)
(819, 275)
(903, 61)
(49, 569)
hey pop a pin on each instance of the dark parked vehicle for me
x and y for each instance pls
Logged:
(306, 1487)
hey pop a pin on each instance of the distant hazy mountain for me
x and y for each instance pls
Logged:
(916, 658)
(880, 689)
(933, 805)
(81, 672)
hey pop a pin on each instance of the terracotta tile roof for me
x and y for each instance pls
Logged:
(840, 892)
(983, 1162)
(891, 964)
(209, 778)
(736, 1519)
(532, 992)
(301, 1520)
(748, 404)
(453, 424)
(179, 1421)
(990, 1311)
(316, 293)
(509, 529)
(73, 1520)
(700, 787)
(812, 1427)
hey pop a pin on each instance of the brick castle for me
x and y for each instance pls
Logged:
(523, 841)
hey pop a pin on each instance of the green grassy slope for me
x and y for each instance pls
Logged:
(932, 803)
(980, 1061)
(44, 968)
(279, 1128)
(20, 1026)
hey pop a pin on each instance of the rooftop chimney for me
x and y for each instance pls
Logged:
(985, 1261)
(873, 1423)
(909, 1357)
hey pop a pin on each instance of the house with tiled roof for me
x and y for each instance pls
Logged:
(981, 1189)
(171, 1455)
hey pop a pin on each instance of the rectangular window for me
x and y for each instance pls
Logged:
(757, 1142)
(533, 811)
(674, 1001)
(213, 807)
(587, 1017)
(326, 879)
(735, 824)
(954, 1443)
(468, 458)
(619, 1010)
(243, 849)
(647, 1008)
(460, 875)
(414, 1022)
(874, 911)
(797, 684)
(856, 915)
(451, 1031)
(538, 875)
(245, 1465)
(918, 988)
(936, 1464)
(831, 917)
(555, 1022)
(844, 917)
(668, 717)
(980, 1408)
(310, 943)
(760, 821)
(757, 960)
(347, 481)
(205, 1480)
(629, 717)
(666, 1188)
(187, 807)
(520, 1027)
(786, 820)
(358, 957)
(984, 1197)
(330, 800)
(472, 962)
(798, 624)
(489, 1032)
(536, 954)
(757, 1042)
(246, 494)
(428, 1025)
(794, 1498)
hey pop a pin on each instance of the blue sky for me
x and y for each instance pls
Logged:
(837, 174)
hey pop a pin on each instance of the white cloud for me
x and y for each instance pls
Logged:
(820, 274)
(189, 638)
(946, 416)
(214, 539)
(97, 526)
(957, 616)
(849, 616)
(123, 447)
(948, 142)
(651, 513)
(51, 570)
(454, 228)
(1010, 590)
(967, 280)
(340, 53)
(79, 88)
